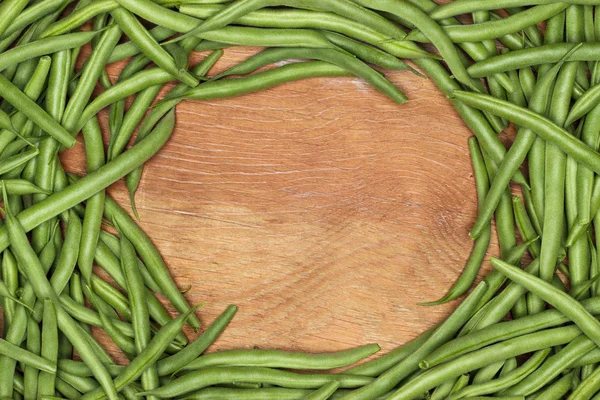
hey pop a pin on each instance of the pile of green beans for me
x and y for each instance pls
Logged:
(528, 330)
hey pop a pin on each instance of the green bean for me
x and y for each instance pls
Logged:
(562, 301)
(555, 170)
(557, 390)
(517, 96)
(460, 383)
(260, 81)
(21, 187)
(14, 335)
(146, 43)
(525, 227)
(133, 117)
(117, 109)
(368, 54)
(542, 126)
(80, 384)
(130, 49)
(66, 390)
(443, 390)
(111, 296)
(94, 209)
(78, 300)
(472, 361)
(495, 29)
(221, 393)
(215, 375)
(49, 348)
(9, 11)
(389, 379)
(19, 160)
(8, 41)
(55, 105)
(506, 381)
(137, 299)
(176, 362)
(527, 80)
(552, 367)
(584, 104)
(324, 392)
(148, 357)
(342, 60)
(113, 244)
(8, 349)
(34, 112)
(5, 122)
(458, 7)
(161, 16)
(550, 53)
(267, 37)
(79, 368)
(24, 72)
(68, 258)
(10, 276)
(283, 359)
(90, 74)
(30, 374)
(42, 47)
(79, 17)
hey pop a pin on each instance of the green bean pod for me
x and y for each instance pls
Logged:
(283, 359)
(146, 43)
(494, 29)
(46, 381)
(215, 375)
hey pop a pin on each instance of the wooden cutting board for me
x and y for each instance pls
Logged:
(322, 209)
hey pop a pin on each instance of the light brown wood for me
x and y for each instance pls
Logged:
(322, 209)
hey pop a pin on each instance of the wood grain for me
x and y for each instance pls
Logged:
(322, 209)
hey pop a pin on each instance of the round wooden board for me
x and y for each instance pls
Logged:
(322, 209)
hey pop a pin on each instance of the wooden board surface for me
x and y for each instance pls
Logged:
(322, 209)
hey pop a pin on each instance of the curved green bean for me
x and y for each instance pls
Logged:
(283, 359)
(215, 375)
(495, 29)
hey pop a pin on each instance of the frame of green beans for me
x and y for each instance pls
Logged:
(528, 330)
